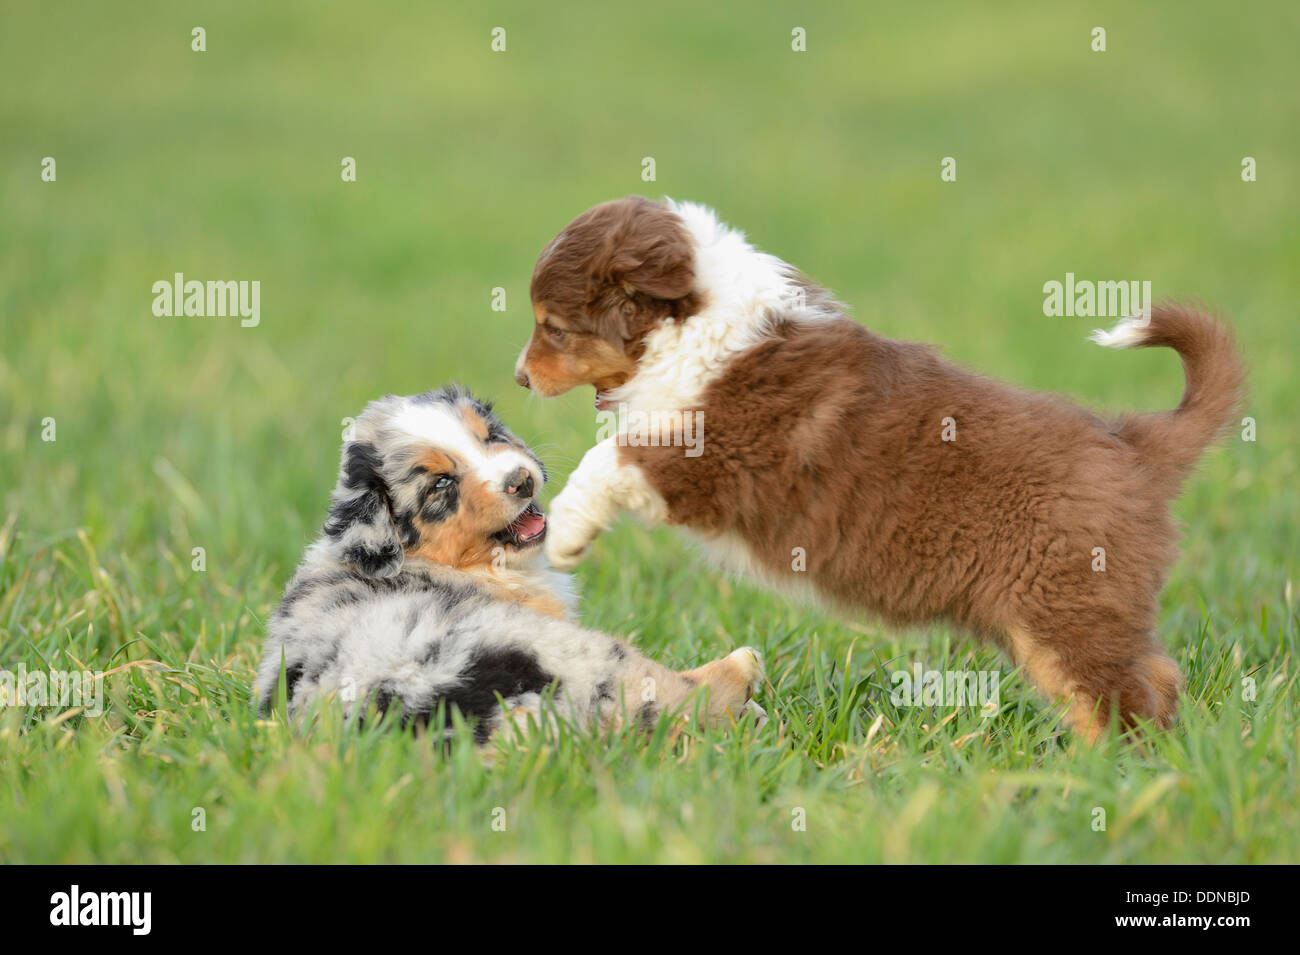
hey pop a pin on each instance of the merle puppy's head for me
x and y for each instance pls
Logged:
(434, 476)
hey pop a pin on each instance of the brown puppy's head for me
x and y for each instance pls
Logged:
(439, 477)
(598, 288)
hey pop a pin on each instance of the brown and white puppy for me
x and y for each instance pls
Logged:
(427, 590)
(868, 473)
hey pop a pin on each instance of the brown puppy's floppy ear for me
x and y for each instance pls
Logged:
(360, 527)
(623, 321)
(648, 251)
(648, 258)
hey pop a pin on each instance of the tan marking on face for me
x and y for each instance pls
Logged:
(614, 274)
(579, 359)
(474, 422)
(435, 462)
(463, 540)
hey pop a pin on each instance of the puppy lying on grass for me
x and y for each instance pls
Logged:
(427, 590)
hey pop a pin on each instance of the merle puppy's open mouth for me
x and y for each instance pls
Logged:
(525, 530)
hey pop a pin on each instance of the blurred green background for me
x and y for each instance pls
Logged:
(175, 433)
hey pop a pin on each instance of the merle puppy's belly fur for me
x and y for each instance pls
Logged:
(423, 640)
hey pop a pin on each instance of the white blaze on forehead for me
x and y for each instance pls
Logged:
(443, 426)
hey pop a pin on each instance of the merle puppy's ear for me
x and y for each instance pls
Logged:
(360, 527)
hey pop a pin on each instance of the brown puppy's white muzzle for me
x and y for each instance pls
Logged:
(521, 371)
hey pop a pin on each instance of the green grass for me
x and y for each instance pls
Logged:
(181, 433)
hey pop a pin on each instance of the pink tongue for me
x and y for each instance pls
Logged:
(529, 525)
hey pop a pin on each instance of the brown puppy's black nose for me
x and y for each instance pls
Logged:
(521, 377)
(520, 483)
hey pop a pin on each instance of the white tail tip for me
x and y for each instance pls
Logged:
(1126, 334)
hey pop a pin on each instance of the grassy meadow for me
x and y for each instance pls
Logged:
(176, 433)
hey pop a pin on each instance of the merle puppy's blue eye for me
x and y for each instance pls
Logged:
(443, 482)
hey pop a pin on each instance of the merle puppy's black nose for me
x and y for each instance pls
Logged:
(519, 482)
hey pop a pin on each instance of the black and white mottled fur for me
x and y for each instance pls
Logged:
(383, 612)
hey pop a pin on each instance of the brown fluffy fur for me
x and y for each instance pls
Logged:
(827, 437)
(616, 272)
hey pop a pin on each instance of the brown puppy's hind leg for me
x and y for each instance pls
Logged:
(1131, 678)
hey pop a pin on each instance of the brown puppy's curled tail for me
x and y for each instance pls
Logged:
(1172, 441)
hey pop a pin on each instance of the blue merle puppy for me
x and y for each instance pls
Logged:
(427, 589)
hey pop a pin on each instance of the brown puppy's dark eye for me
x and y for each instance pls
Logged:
(555, 334)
